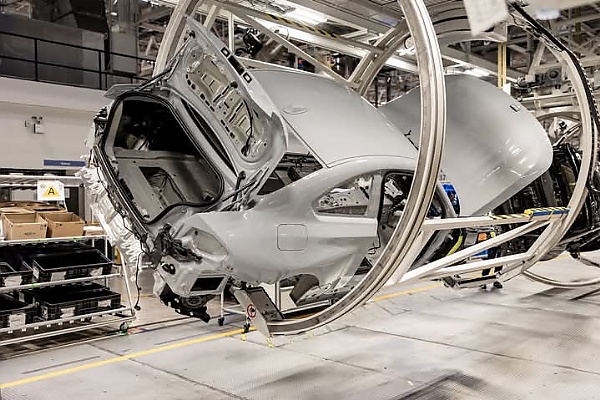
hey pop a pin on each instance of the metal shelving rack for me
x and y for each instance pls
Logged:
(121, 316)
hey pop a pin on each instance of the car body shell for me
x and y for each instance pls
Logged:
(254, 238)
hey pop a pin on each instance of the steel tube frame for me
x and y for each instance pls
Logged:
(476, 266)
(173, 33)
(433, 122)
(555, 230)
(290, 46)
(589, 146)
(393, 261)
(452, 259)
(212, 15)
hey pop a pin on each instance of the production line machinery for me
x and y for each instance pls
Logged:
(191, 173)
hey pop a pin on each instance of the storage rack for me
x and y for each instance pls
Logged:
(30, 181)
(28, 331)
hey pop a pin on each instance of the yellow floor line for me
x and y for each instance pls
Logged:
(416, 290)
(113, 360)
(161, 349)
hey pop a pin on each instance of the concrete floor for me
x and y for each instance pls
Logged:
(526, 341)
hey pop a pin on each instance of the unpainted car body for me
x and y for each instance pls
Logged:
(232, 175)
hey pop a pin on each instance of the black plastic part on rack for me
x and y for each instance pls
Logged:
(70, 264)
(14, 271)
(66, 301)
(14, 313)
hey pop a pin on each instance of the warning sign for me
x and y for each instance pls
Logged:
(50, 191)
(251, 311)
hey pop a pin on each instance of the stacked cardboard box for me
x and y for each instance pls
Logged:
(42, 207)
(15, 210)
(35, 220)
(92, 229)
(63, 224)
(19, 226)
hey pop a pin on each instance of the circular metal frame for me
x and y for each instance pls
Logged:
(588, 144)
(433, 121)
(419, 26)
(555, 231)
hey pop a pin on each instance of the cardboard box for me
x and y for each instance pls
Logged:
(63, 224)
(35, 206)
(44, 208)
(15, 210)
(92, 229)
(24, 226)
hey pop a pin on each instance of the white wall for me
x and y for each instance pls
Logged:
(67, 117)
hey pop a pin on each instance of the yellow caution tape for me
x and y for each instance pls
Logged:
(510, 216)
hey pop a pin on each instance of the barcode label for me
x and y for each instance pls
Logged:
(13, 280)
(104, 304)
(16, 320)
(67, 312)
(58, 276)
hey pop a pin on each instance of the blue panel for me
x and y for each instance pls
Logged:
(63, 163)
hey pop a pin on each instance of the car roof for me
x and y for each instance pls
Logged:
(334, 122)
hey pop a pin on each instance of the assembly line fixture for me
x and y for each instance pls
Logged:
(413, 230)
(432, 137)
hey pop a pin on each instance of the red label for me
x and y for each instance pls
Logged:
(251, 311)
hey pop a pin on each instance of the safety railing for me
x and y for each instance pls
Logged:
(45, 60)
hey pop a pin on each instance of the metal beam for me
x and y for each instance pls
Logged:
(153, 27)
(537, 57)
(585, 61)
(502, 65)
(231, 32)
(396, 62)
(212, 15)
(292, 48)
(289, 23)
(360, 33)
(576, 20)
(457, 257)
(461, 57)
(155, 13)
(476, 266)
(346, 15)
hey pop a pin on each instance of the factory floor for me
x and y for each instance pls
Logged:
(526, 341)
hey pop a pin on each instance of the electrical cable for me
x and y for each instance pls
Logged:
(246, 149)
(373, 250)
(139, 289)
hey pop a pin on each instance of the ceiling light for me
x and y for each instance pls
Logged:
(308, 16)
(477, 72)
(546, 14)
